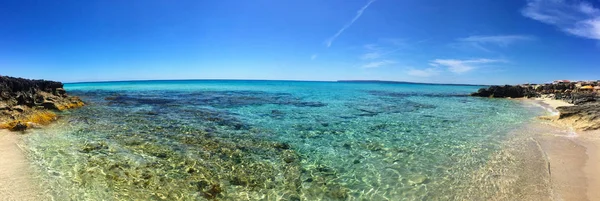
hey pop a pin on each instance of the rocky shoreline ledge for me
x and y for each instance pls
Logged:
(26, 103)
(584, 95)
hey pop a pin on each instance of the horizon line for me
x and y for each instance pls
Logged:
(284, 80)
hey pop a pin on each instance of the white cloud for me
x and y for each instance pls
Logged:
(428, 72)
(377, 64)
(578, 18)
(314, 56)
(462, 66)
(329, 41)
(501, 40)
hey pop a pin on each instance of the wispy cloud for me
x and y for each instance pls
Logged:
(578, 18)
(371, 55)
(500, 40)
(373, 51)
(462, 66)
(428, 72)
(383, 48)
(376, 64)
(314, 56)
(329, 41)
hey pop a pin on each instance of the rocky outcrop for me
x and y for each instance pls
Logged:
(568, 92)
(576, 98)
(582, 117)
(25, 102)
(507, 91)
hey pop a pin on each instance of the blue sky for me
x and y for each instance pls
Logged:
(459, 41)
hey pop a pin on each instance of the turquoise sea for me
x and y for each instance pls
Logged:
(278, 140)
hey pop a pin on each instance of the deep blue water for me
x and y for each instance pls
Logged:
(253, 140)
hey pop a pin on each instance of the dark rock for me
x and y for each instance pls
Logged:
(38, 99)
(290, 156)
(89, 147)
(49, 105)
(200, 185)
(111, 98)
(212, 193)
(506, 91)
(25, 99)
(60, 92)
(19, 127)
(282, 146)
(277, 114)
(14, 85)
(577, 98)
(309, 104)
(4, 106)
(18, 108)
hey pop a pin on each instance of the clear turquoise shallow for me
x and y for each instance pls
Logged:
(288, 140)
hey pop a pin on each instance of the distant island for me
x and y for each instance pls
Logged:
(403, 82)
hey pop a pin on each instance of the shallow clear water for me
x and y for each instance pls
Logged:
(248, 140)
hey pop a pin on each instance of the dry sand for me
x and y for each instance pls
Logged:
(553, 103)
(574, 158)
(16, 181)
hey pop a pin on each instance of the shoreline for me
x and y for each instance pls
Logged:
(16, 178)
(573, 155)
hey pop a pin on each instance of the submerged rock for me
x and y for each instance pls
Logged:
(19, 127)
(418, 179)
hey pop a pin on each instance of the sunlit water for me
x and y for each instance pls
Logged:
(276, 140)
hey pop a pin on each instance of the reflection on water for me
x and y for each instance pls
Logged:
(235, 140)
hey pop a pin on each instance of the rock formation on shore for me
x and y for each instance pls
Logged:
(584, 115)
(26, 103)
(506, 91)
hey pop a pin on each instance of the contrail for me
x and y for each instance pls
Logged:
(358, 14)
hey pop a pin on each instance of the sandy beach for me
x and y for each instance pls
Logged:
(16, 182)
(574, 157)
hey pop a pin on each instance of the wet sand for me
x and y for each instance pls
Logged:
(16, 182)
(573, 156)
